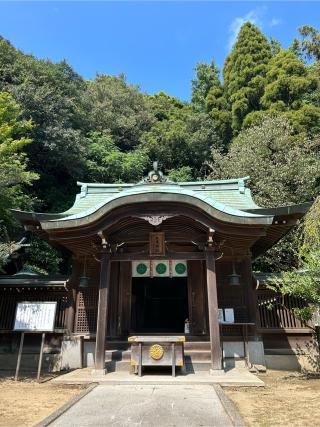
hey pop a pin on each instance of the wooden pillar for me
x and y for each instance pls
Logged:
(213, 312)
(74, 282)
(251, 293)
(102, 313)
(72, 309)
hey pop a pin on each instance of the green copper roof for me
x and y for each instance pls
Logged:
(229, 201)
(230, 196)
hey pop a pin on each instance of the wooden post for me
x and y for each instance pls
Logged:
(173, 349)
(19, 357)
(81, 342)
(102, 313)
(251, 293)
(73, 294)
(71, 310)
(140, 360)
(213, 311)
(41, 356)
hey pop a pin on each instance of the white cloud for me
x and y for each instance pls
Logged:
(274, 22)
(253, 16)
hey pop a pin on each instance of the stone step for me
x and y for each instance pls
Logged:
(197, 366)
(190, 365)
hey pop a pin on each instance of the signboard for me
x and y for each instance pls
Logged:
(157, 243)
(160, 269)
(35, 316)
(179, 268)
(157, 268)
(226, 315)
(140, 268)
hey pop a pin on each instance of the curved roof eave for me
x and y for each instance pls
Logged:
(155, 194)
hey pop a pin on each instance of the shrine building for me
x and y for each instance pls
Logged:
(160, 258)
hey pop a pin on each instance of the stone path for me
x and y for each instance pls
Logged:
(147, 405)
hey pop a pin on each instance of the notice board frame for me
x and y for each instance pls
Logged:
(33, 331)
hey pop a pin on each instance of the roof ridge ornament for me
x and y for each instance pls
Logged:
(155, 176)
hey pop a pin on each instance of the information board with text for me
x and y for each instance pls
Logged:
(35, 316)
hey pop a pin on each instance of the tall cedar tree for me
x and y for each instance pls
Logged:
(244, 73)
(289, 84)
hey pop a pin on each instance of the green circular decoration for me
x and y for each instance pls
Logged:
(141, 268)
(180, 268)
(161, 268)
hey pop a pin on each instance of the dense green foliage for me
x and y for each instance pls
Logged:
(284, 169)
(14, 175)
(262, 119)
(303, 282)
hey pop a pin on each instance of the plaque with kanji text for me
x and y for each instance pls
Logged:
(157, 243)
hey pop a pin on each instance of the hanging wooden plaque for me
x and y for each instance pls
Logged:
(157, 244)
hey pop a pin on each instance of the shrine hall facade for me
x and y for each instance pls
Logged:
(159, 257)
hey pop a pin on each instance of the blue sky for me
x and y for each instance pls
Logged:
(156, 44)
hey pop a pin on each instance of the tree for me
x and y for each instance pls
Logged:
(183, 174)
(275, 46)
(107, 163)
(284, 169)
(244, 73)
(41, 257)
(310, 43)
(219, 110)
(184, 138)
(118, 109)
(304, 282)
(163, 106)
(14, 175)
(288, 82)
(49, 94)
(207, 77)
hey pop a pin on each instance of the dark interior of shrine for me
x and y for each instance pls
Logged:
(159, 304)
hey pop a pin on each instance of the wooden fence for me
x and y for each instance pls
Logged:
(275, 311)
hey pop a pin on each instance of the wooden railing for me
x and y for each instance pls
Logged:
(275, 311)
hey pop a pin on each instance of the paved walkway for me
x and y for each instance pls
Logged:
(147, 405)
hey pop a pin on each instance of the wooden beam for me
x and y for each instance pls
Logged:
(214, 328)
(177, 255)
(102, 313)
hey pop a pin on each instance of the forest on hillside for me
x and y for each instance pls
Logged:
(258, 116)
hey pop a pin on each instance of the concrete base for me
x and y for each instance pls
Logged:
(235, 350)
(89, 353)
(233, 377)
(216, 372)
(98, 372)
(70, 353)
